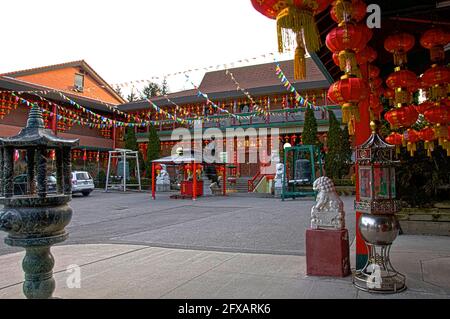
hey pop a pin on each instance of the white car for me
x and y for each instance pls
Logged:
(82, 183)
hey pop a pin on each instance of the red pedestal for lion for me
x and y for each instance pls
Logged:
(327, 252)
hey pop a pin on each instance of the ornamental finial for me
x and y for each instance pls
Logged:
(35, 119)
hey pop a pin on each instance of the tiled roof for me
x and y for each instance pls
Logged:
(80, 63)
(255, 76)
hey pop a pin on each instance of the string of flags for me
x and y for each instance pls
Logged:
(290, 88)
(208, 68)
(200, 93)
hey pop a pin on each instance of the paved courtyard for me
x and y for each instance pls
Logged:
(234, 223)
(128, 246)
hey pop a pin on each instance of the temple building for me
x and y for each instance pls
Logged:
(256, 93)
(74, 98)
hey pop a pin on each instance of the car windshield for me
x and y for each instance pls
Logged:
(83, 176)
(51, 179)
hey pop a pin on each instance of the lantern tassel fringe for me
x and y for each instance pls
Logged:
(298, 20)
(300, 63)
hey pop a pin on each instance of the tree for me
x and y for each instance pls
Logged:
(164, 87)
(118, 90)
(132, 96)
(152, 90)
(309, 136)
(338, 156)
(153, 148)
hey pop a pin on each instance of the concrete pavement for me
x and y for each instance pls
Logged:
(128, 246)
(136, 271)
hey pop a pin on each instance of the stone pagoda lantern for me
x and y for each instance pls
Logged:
(35, 219)
(378, 225)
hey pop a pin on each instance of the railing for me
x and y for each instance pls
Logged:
(253, 183)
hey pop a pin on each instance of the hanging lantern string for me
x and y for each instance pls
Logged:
(111, 107)
(85, 122)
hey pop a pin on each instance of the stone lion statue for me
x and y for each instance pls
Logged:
(328, 212)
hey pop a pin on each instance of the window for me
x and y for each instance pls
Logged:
(79, 82)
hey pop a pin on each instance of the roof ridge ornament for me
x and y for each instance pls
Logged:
(35, 119)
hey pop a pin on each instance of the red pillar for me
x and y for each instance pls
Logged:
(114, 133)
(224, 183)
(194, 182)
(54, 119)
(362, 133)
(153, 182)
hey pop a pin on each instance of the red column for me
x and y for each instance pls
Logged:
(362, 133)
(114, 133)
(153, 182)
(224, 180)
(194, 181)
(54, 119)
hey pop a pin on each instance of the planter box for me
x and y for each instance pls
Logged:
(426, 221)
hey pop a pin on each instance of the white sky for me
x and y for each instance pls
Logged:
(126, 40)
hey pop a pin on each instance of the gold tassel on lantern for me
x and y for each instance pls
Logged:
(441, 132)
(347, 62)
(299, 59)
(351, 127)
(402, 97)
(346, 112)
(429, 146)
(297, 20)
(411, 147)
(400, 58)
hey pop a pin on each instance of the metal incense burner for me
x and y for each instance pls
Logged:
(378, 225)
(36, 220)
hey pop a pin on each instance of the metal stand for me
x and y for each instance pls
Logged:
(378, 275)
(124, 155)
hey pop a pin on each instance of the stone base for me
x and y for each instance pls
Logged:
(162, 187)
(278, 191)
(327, 253)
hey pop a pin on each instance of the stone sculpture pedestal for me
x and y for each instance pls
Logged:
(327, 252)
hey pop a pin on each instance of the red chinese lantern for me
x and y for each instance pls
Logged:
(399, 44)
(422, 107)
(348, 11)
(404, 116)
(348, 92)
(375, 105)
(373, 71)
(427, 135)
(410, 138)
(296, 16)
(440, 114)
(438, 79)
(395, 139)
(403, 82)
(435, 39)
(366, 55)
(436, 75)
(375, 83)
(347, 40)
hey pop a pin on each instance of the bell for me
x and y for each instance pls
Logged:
(302, 173)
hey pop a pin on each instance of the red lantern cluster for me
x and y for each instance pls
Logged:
(7, 103)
